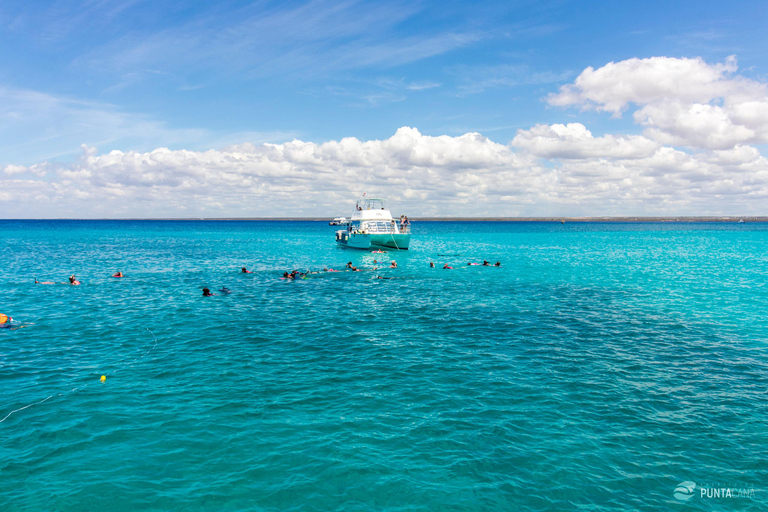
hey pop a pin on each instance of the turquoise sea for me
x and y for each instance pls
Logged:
(601, 366)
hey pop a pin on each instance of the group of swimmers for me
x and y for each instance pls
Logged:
(485, 263)
(73, 280)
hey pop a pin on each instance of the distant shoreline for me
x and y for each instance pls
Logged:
(737, 219)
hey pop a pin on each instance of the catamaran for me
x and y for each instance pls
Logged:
(372, 226)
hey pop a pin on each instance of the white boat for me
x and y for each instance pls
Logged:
(339, 221)
(372, 226)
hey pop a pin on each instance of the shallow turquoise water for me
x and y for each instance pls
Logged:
(598, 368)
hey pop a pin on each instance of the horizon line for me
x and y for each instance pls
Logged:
(604, 218)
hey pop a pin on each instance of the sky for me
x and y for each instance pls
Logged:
(171, 108)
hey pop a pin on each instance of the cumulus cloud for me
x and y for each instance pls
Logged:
(685, 102)
(574, 141)
(420, 174)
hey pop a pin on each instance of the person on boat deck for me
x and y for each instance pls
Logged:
(207, 293)
(393, 265)
(497, 264)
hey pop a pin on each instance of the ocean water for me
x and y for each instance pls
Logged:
(598, 368)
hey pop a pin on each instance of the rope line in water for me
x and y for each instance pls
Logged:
(85, 385)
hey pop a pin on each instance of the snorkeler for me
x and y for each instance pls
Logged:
(224, 290)
(486, 264)
(431, 264)
(6, 322)
(446, 267)
(393, 265)
(43, 282)
(497, 264)
(73, 280)
(207, 293)
(245, 271)
(117, 274)
(349, 265)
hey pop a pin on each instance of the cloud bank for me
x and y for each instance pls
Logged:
(684, 102)
(695, 156)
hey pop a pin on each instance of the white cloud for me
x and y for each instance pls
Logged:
(10, 170)
(685, 102)
(575, 141)
(422, 175)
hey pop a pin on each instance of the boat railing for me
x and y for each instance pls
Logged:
(389, 229)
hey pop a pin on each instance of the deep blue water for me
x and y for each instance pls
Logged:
(599, 367)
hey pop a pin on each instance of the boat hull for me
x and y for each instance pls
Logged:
(393, 241)
(366, 241)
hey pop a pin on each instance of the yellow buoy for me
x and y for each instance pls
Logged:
(4, 318)
(103, 378)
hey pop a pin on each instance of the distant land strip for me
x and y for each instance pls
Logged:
(468, 219)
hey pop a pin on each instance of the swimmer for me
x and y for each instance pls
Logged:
(207, 293)
(446, 267)
(486, 264)
(43, 282)
(431, 264)
(286, 276)
(497, 264)
(382, 277)
(73, 280)
(349, 265)
(117, 274)
(393, 265)
(224, 290)
(471, 264)
(6, 322)
(245, 271)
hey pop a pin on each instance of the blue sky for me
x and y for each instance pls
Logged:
(84, 78)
